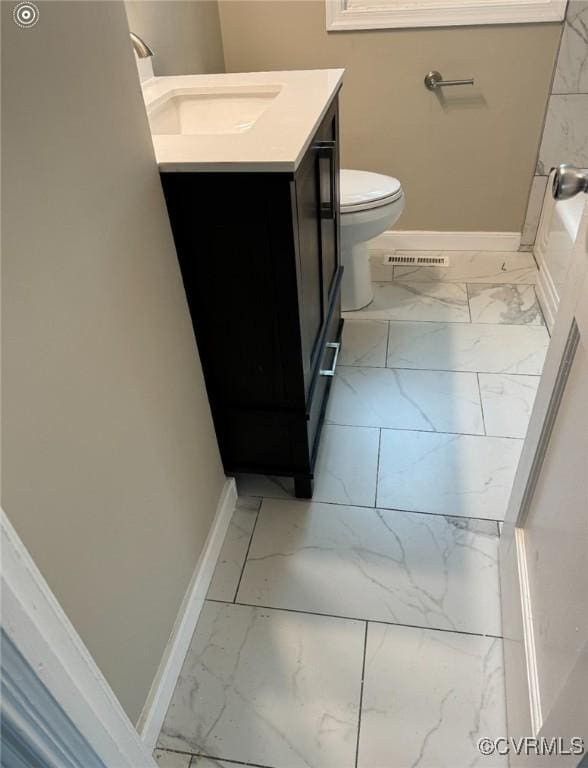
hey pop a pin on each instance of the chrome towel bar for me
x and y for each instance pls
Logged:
(434, 80)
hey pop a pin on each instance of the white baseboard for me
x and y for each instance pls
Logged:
(400, 240)
(154, 711)
(546, 292)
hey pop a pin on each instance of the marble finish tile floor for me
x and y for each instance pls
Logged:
(507, 402)
(473, 267)
(434, 301)
(428, 697)
(504, 303)
(476, 347)
(362, 629)
(364, 343)
(373, 564)
(461, 475)
(269, 687)
(227, 573)
(436, 401)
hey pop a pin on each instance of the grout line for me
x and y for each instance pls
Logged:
(224, 760)
(365, 640)
(441, 370)
(469, 305)
(378, 468)
(248, 548)
(422, 431)
(349, 316)
(389, 509)
(498, 528)
(356, 618)
(481, 404)
(193, 755)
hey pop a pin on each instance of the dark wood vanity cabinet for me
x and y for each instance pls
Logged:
(259, 255)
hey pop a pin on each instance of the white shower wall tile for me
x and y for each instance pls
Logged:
(534, 207)
(565, 138)
(571, 74)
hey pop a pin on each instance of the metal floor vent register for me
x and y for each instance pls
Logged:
(418, 261)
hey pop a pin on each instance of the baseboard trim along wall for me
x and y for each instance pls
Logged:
(154, 711)
(399, 240)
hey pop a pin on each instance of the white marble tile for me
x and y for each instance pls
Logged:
(565, 138)
(266, 486)
(571, 74)
(384, 565)
(269, 687)
(380, 272)
(232, 555)
(468, 347)
(474, 267)
(166, 759)
(461, 475)
(428, 697)
(346, 470)
(533, 214)
(212, 762)
(364, 343)
(416, 301)
(439, 401)
(505, 304)
(507, 402)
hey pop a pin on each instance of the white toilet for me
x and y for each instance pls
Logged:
(371, 203)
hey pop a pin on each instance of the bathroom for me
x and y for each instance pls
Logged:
(278, 512)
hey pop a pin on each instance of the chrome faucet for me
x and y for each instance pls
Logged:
(141, 48)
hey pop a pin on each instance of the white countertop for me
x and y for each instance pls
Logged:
(277, 140)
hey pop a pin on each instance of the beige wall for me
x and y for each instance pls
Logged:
(111, 472)
(184, 36)
(466, 163)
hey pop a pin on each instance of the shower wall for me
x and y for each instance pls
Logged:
(565, 133)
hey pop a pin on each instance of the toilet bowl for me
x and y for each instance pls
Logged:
(371, 203)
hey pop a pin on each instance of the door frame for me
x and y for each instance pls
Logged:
(37, 627)
(525, 717)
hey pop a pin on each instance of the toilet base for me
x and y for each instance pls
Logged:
(356, 288)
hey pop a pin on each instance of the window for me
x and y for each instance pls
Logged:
(385, 14)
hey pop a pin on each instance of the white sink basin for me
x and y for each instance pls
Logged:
(210, 110)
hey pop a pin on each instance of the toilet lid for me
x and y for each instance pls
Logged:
(360, 190)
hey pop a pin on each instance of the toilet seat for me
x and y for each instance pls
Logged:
(362, 190)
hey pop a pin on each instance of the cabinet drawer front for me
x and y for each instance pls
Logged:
(319, 393)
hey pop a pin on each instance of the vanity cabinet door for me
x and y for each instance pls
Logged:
(317, 204)
(308, 207)
(328, 168)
